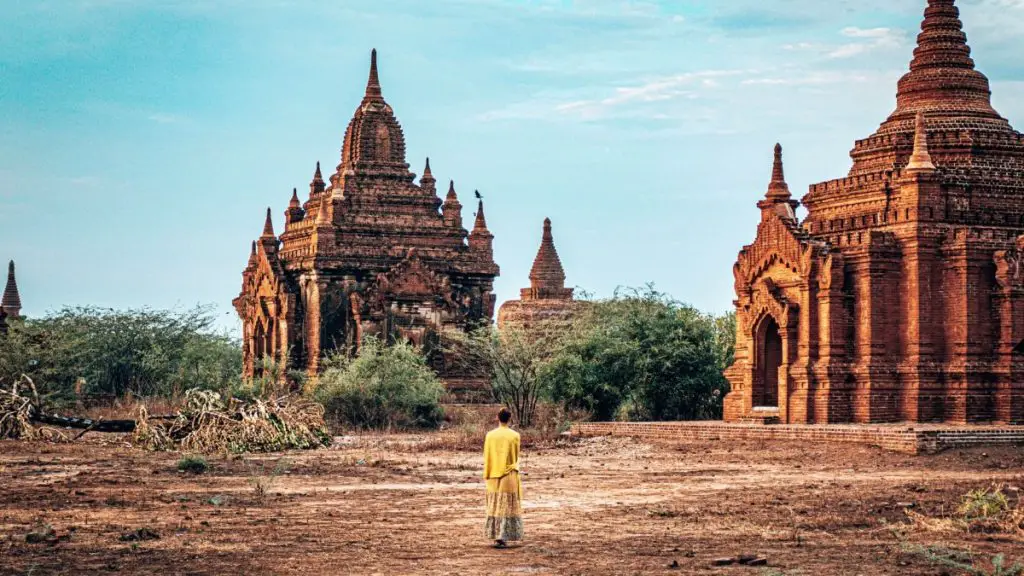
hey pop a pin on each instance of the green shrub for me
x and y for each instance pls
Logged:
(112, 353)
(384, 387)
(643, 356)
(193, 464)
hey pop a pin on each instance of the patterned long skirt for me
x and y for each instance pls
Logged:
(504, 508)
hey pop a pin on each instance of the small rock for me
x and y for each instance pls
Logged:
(746, 558)
(723, 562)
(905, 504)
(674, 565)
(760, 561)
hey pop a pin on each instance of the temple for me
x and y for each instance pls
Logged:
(900, 296)
(10, 305)
(369, 252)
(547, 303)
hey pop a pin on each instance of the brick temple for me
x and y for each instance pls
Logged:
(370, 252)
(10, 304)
(547, 303)
(900, 296)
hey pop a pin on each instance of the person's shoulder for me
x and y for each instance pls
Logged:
(514, 434)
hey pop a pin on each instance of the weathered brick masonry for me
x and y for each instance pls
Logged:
(900, 296)
(925, 440)
(369, 253)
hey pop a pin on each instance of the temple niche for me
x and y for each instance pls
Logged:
(900, 296)
(547, 304)
(369, 252)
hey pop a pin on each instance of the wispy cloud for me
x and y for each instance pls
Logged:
(165, 118)
(868, 39)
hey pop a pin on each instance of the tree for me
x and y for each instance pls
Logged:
(512, 358)
(112, 353)
(645, 354)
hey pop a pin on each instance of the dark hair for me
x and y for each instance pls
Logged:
(504, 415)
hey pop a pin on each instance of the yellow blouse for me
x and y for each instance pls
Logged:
(501, 452)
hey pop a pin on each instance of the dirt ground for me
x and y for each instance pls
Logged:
(394, 505)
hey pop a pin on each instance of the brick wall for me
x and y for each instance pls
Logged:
(895, 438)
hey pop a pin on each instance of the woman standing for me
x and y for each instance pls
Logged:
(504, 489)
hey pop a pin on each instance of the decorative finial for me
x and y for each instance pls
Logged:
(427, 176)
(317, 184)
(268, 226)
(294, 203)
(920, 159)
(481, 222)
(778, 189)
(451, 190)
(373, 85)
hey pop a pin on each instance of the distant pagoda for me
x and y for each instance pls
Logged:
(547, 303)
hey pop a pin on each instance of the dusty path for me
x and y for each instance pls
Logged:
(599, 506)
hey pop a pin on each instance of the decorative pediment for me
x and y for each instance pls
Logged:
(768, 299)
(410, 279)
(778, 243)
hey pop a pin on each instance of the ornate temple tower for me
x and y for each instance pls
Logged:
(547, 303)
(367, 253)
(900, 297)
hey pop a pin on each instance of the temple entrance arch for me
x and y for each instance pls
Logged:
(769, 360)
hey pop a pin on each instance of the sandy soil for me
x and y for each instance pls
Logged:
(383, 505)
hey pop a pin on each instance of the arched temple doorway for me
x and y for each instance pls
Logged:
(766, 383)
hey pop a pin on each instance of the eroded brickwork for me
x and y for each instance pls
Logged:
(900, 297)
(368, 253)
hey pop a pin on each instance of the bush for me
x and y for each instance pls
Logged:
(110, 353)
(385, 387)
(644, 356)
(193, 464)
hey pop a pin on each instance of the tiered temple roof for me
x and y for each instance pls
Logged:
(370, 251)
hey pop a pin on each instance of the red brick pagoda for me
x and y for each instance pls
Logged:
(368, 253)
(547, 303)
(900, 297)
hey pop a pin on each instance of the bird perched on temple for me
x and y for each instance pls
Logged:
(478, 195)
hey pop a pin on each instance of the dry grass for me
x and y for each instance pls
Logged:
(206, 424)
(16, 408)
(986, 511)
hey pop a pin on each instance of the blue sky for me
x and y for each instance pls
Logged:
(141, 140)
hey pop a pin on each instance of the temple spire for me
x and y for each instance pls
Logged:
(11, 302)
(451, 208)
(481, 222)
(942, 74)
(373, 84)
(268, 226)
(427, 180)
(294, 202)
(317, 184)
(777, 188)
(547, 274)
(920, 160)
